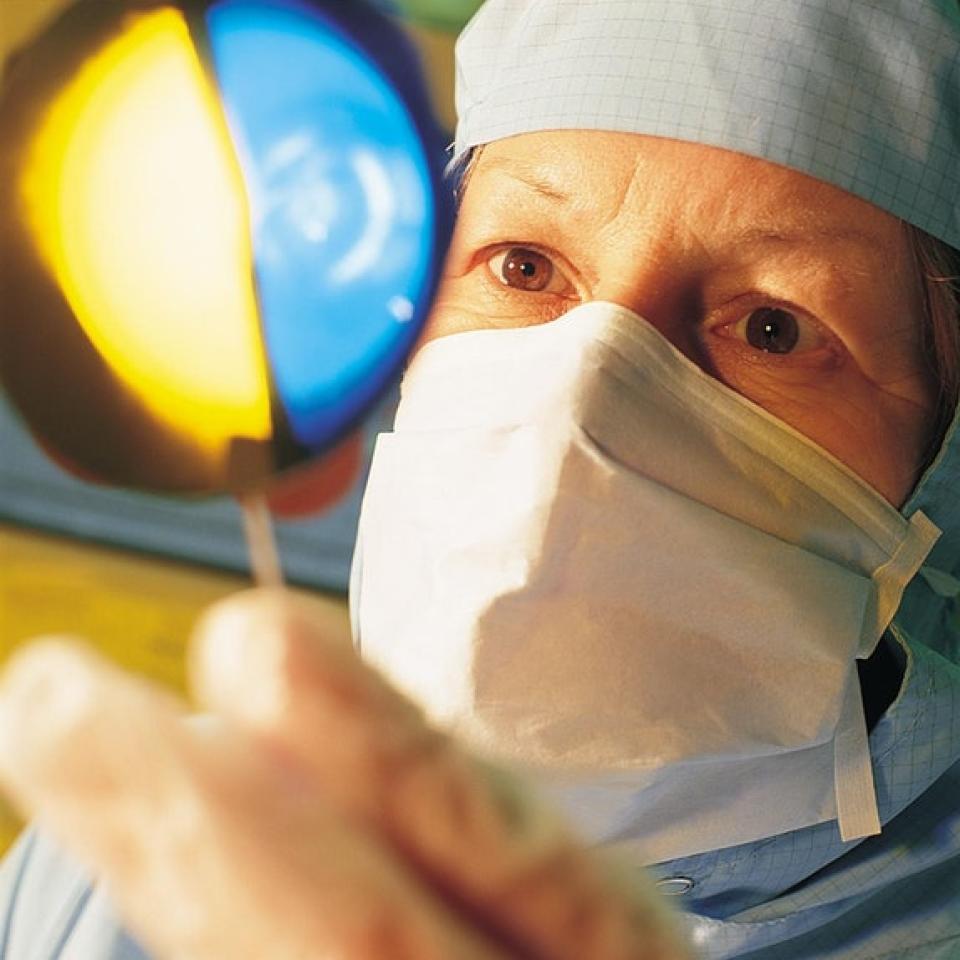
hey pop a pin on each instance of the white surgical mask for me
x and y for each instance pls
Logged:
(587, 557)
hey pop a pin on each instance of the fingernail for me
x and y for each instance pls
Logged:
(240, 651)
(44, 689)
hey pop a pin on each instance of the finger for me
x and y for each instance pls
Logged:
(265, 660)
(59, 703)
(211, 850)
(268, 658)
(97, 756)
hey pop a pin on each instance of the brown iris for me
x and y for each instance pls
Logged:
(526, 269)
(772, 330)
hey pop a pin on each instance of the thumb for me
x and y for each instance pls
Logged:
(277, 664)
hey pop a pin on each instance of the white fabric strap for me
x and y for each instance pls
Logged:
(892, 578)
(856, 794)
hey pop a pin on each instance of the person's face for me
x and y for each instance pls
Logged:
(797, 295)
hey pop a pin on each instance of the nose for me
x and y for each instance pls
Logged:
(664, 289)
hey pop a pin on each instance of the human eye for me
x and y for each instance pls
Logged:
(528, 270)
(777, 330)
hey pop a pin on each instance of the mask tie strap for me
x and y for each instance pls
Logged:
(856, 793)
(892, 578)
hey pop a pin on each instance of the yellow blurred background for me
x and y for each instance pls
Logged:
(136, 609)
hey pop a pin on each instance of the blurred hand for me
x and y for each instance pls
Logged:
(312, 813)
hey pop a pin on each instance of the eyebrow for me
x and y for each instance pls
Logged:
(765, 236)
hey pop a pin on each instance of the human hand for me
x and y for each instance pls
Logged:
(313, 813)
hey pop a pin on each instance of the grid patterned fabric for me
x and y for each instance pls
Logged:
(806, 895)
(864, 94)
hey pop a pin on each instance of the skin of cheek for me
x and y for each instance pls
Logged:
(878, 435)
(885, 393)
(871, 403)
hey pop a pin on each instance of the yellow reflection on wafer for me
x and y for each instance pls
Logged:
(137, 206)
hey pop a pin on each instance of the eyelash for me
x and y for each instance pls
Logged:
(487, 255)
(739, 311)
(746, 306)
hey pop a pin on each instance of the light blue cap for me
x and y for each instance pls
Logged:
(864, 94)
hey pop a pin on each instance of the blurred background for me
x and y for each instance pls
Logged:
(130, 572)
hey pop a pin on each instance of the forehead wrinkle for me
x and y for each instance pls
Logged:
(560, 178)
(529, 175)
(753, 202)
(642, 199)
